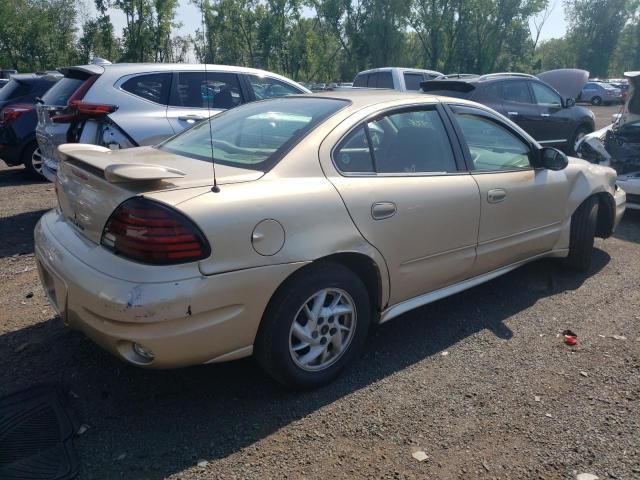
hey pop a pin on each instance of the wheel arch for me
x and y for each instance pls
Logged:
(606, 214)
(362, 265)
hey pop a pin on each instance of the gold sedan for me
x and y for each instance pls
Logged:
(321, 215)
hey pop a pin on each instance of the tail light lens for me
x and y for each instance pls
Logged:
(149, 232)
(11, 113)
(80, 109)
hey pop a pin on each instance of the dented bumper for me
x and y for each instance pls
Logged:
(184, 321)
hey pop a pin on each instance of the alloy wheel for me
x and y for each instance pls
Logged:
(322, 329)
(36, 160)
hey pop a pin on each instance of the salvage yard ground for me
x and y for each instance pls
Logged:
(481, 382)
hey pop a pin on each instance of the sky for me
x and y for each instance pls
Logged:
(191, 19)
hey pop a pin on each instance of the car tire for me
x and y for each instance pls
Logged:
(290, 353)
(583, 231)
(596, 101)
(32, 160)
(580, 132)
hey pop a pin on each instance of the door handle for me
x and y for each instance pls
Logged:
(496, 195)
(544, 114)
(191, 118)
(382, 210)
(513, 114)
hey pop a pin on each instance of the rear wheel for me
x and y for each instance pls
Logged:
(583, 231)
(314, 326)
(596, 101)
(32, 160)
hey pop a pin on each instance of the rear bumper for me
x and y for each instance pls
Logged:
(183, 322)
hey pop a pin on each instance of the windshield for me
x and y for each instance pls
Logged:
(256, 135)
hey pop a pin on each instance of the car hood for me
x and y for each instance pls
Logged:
(567, 81)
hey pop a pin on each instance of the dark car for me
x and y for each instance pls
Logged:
(18, 119)
(3, 82)
(531, 103)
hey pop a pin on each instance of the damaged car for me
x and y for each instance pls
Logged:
(285, 228)
(618, 145)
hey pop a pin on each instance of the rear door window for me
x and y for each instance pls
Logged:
(516, 91)
(383, 80)
(153, 87)
(406, 142)
(220, 90)
(267, 87)
(412, 80)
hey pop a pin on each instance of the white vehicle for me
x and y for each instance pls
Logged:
(395, 78)
(618, 144)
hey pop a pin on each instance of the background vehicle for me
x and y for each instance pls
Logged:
(401, 79)
(3, 82)
(18, 119)
(598, 93)
(127, 105)
(340, 217)
(618, 144)
(531, 103)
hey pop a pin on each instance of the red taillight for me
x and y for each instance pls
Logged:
(12, 112)
(149, 232)
(81, 109)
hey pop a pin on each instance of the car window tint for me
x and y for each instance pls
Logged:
(14, 89)
(361, 80)
(60, 93)
(354, 155)
(267, 87)
(218, 90)
(385, 80)
(492, 146)
(545, 96)
(517, 91)
(490, 92)
(411, 142)
(412, 80)
(153, 87)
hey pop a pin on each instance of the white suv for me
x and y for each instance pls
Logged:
(401, 79)
(129, 105)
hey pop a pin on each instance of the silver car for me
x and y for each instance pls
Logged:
(598, 93)
(401, 79)
(129, 105)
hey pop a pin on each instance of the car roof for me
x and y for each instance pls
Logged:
(399, 69)
(365, 97)
(130, 68)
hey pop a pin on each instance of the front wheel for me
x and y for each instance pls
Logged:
(596, 101)
(582, 236)
(580, 132)
(314, 326)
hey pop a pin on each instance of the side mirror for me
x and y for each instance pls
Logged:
(569, 102)
(553, 159)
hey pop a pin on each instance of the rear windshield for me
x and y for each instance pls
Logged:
(59, 94)
(255, 135)
(14, 89)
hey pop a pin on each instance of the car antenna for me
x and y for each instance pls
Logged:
(215, 188)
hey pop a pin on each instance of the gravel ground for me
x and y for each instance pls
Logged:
(481, 382)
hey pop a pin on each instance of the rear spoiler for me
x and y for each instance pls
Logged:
(455, 85)
(98, 159)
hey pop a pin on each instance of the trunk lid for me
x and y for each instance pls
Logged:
(93, 181)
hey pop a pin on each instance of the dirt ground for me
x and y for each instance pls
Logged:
(481, 382)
